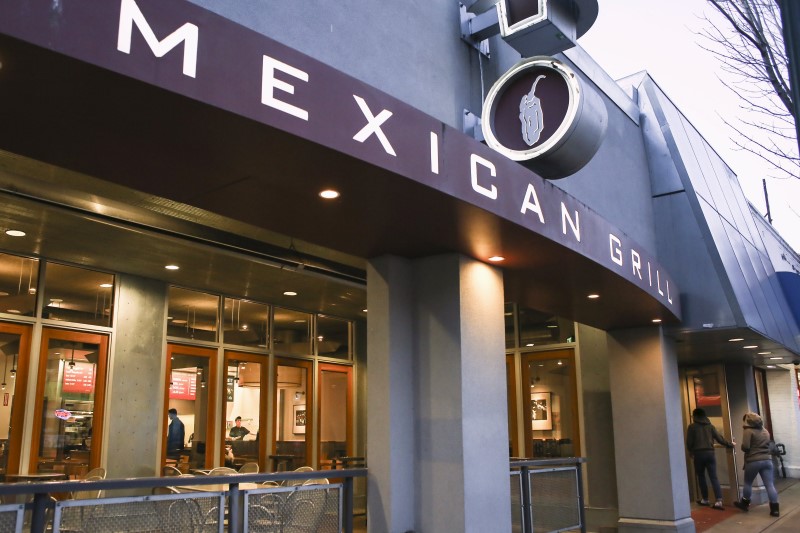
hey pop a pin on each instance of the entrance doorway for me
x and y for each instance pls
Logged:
(705, 387)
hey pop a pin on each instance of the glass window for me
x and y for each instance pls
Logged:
(551, 404)
(69, 403)
(18, 280)
(334, 414)
(73, 294)
(292, 332)
(333, 337)
(245, 323)
(191, 424)
(192, 314)
(242, 409)
(540, 329)
(292, 418)
(511, 338)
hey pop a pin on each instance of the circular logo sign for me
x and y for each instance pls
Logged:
(535, 109)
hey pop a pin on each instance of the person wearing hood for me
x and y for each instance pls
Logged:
(757, 461)
(700, 438)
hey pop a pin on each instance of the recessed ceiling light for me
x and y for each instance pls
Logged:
(771, 366)
(289, 293)
(552, 326)
(529, 344)
(775, 358)
(736, 339)
(106, 285)
(656, 321)
(3, 293)
(14, 311)
(329, 194)
(497, 258)
(300, 321)
(593, 296)
(172, 267)
(764, 353)
(364, 310)
(15, 233)
(750, 347)
(179, 321)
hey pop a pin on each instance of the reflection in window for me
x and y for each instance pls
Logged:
(246, 323)
(73, 294)
(540, 329)
(333, 337)
(18, 279)
(292, 332)
(511, 338)
(333, 415)
(192, 314)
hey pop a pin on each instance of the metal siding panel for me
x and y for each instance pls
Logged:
(731, 267)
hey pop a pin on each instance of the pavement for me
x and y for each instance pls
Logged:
(758, 519)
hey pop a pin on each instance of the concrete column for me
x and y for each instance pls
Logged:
(136, 380)
(652, 487)
(437, 432)
(390, 397)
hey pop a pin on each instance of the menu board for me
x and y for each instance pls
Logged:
(183, 386)
(79, 379)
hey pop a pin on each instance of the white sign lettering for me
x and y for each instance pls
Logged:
(474, 160)
(130, 14)
(269, 83)
(373, 126)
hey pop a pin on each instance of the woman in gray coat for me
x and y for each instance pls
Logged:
(757, 461)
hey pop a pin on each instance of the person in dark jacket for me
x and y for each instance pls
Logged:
(700, 438)
(175, 434)
(757, 461)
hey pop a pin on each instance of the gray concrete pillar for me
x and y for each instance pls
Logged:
(652, 487)
(136, 379)
(437, 428)
(390, 398)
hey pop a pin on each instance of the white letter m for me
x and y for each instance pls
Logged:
(188, 33)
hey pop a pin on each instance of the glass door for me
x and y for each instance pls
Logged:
(70, 395)
(293, 420)
(549, 404)
(15, 342)
(244, 417)
(191, 385)
(705, 387)
(335, 417)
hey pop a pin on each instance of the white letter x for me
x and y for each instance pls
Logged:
(373, 126)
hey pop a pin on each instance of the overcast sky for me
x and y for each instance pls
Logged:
(660, 36)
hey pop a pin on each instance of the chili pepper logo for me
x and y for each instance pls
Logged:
(530, 115)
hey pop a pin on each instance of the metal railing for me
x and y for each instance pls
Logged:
(547, 495)
(197, 503)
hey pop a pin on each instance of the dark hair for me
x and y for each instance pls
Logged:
(173, 411)
(698, 412)
(238, 418)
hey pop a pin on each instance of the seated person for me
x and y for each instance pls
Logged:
(237, 431)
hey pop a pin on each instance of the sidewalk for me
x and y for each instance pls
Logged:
(758, 519)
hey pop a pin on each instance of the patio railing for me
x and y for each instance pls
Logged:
(299, 501)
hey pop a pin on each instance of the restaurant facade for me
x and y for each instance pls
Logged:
(427, 237)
